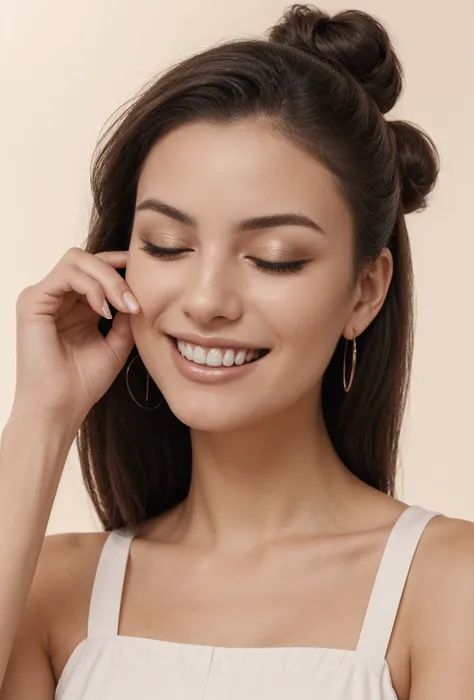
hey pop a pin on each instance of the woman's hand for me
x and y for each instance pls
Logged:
(64, 363)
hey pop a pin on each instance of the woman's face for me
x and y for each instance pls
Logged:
(228, 197)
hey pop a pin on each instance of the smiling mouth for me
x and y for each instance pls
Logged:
(218, 357)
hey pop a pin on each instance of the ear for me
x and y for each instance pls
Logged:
(371, 291)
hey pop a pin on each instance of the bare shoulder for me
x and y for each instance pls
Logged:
(65, 575)
(443, 568)
(66, 560)
(55, 617)
(441, 595)
(72, 544)
(62, 590)
(447, 549)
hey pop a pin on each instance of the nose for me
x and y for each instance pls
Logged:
(212, 293)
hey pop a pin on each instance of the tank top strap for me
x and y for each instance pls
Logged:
(391, 579)
(104, 610)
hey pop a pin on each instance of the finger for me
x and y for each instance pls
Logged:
(47, 297)
(100, 269)
(57, 282)
(120, 338)
(116, 258)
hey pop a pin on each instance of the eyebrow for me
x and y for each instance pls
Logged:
(254, 223)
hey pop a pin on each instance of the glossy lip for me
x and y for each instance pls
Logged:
(210, 375)
(215, 342)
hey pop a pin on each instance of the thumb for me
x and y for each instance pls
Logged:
(120, 337)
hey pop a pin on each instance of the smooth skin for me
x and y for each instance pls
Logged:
(274, 520)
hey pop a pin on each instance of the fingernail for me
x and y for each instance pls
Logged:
(106, 311)
(131, 303)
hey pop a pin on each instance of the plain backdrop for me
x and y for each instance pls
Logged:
(67, 66)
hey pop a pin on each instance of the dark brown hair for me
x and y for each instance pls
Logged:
(325, 83)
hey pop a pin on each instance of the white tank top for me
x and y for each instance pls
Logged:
(106, 665)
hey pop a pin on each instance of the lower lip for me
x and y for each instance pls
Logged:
(210, 375)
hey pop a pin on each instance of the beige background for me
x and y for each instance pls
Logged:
(65, 67)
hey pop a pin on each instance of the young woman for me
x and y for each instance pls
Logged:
(238, 420)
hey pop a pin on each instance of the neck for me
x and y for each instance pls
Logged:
(270, 480)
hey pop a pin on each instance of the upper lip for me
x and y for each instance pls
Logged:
(214, 342)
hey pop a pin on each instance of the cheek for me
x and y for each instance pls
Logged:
(309, 329)
(310, 309)
(153, 285)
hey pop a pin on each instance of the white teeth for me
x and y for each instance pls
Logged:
(215, 357)
(228, 359)
(199, 355)
(240, 357)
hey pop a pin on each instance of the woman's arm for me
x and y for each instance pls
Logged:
(32, 456)
(443, 614)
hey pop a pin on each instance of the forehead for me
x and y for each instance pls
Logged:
(237, 169)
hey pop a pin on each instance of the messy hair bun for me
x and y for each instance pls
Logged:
(418, 164)
(352, 40)
(357, 43)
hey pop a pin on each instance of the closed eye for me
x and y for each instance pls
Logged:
(278, 267)
(159, 252)
(264, 265)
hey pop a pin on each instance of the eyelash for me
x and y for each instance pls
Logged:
(275, 268)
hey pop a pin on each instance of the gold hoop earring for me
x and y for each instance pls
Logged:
(347, 386)
(147, 389)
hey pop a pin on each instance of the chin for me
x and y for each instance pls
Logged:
(214, 416)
